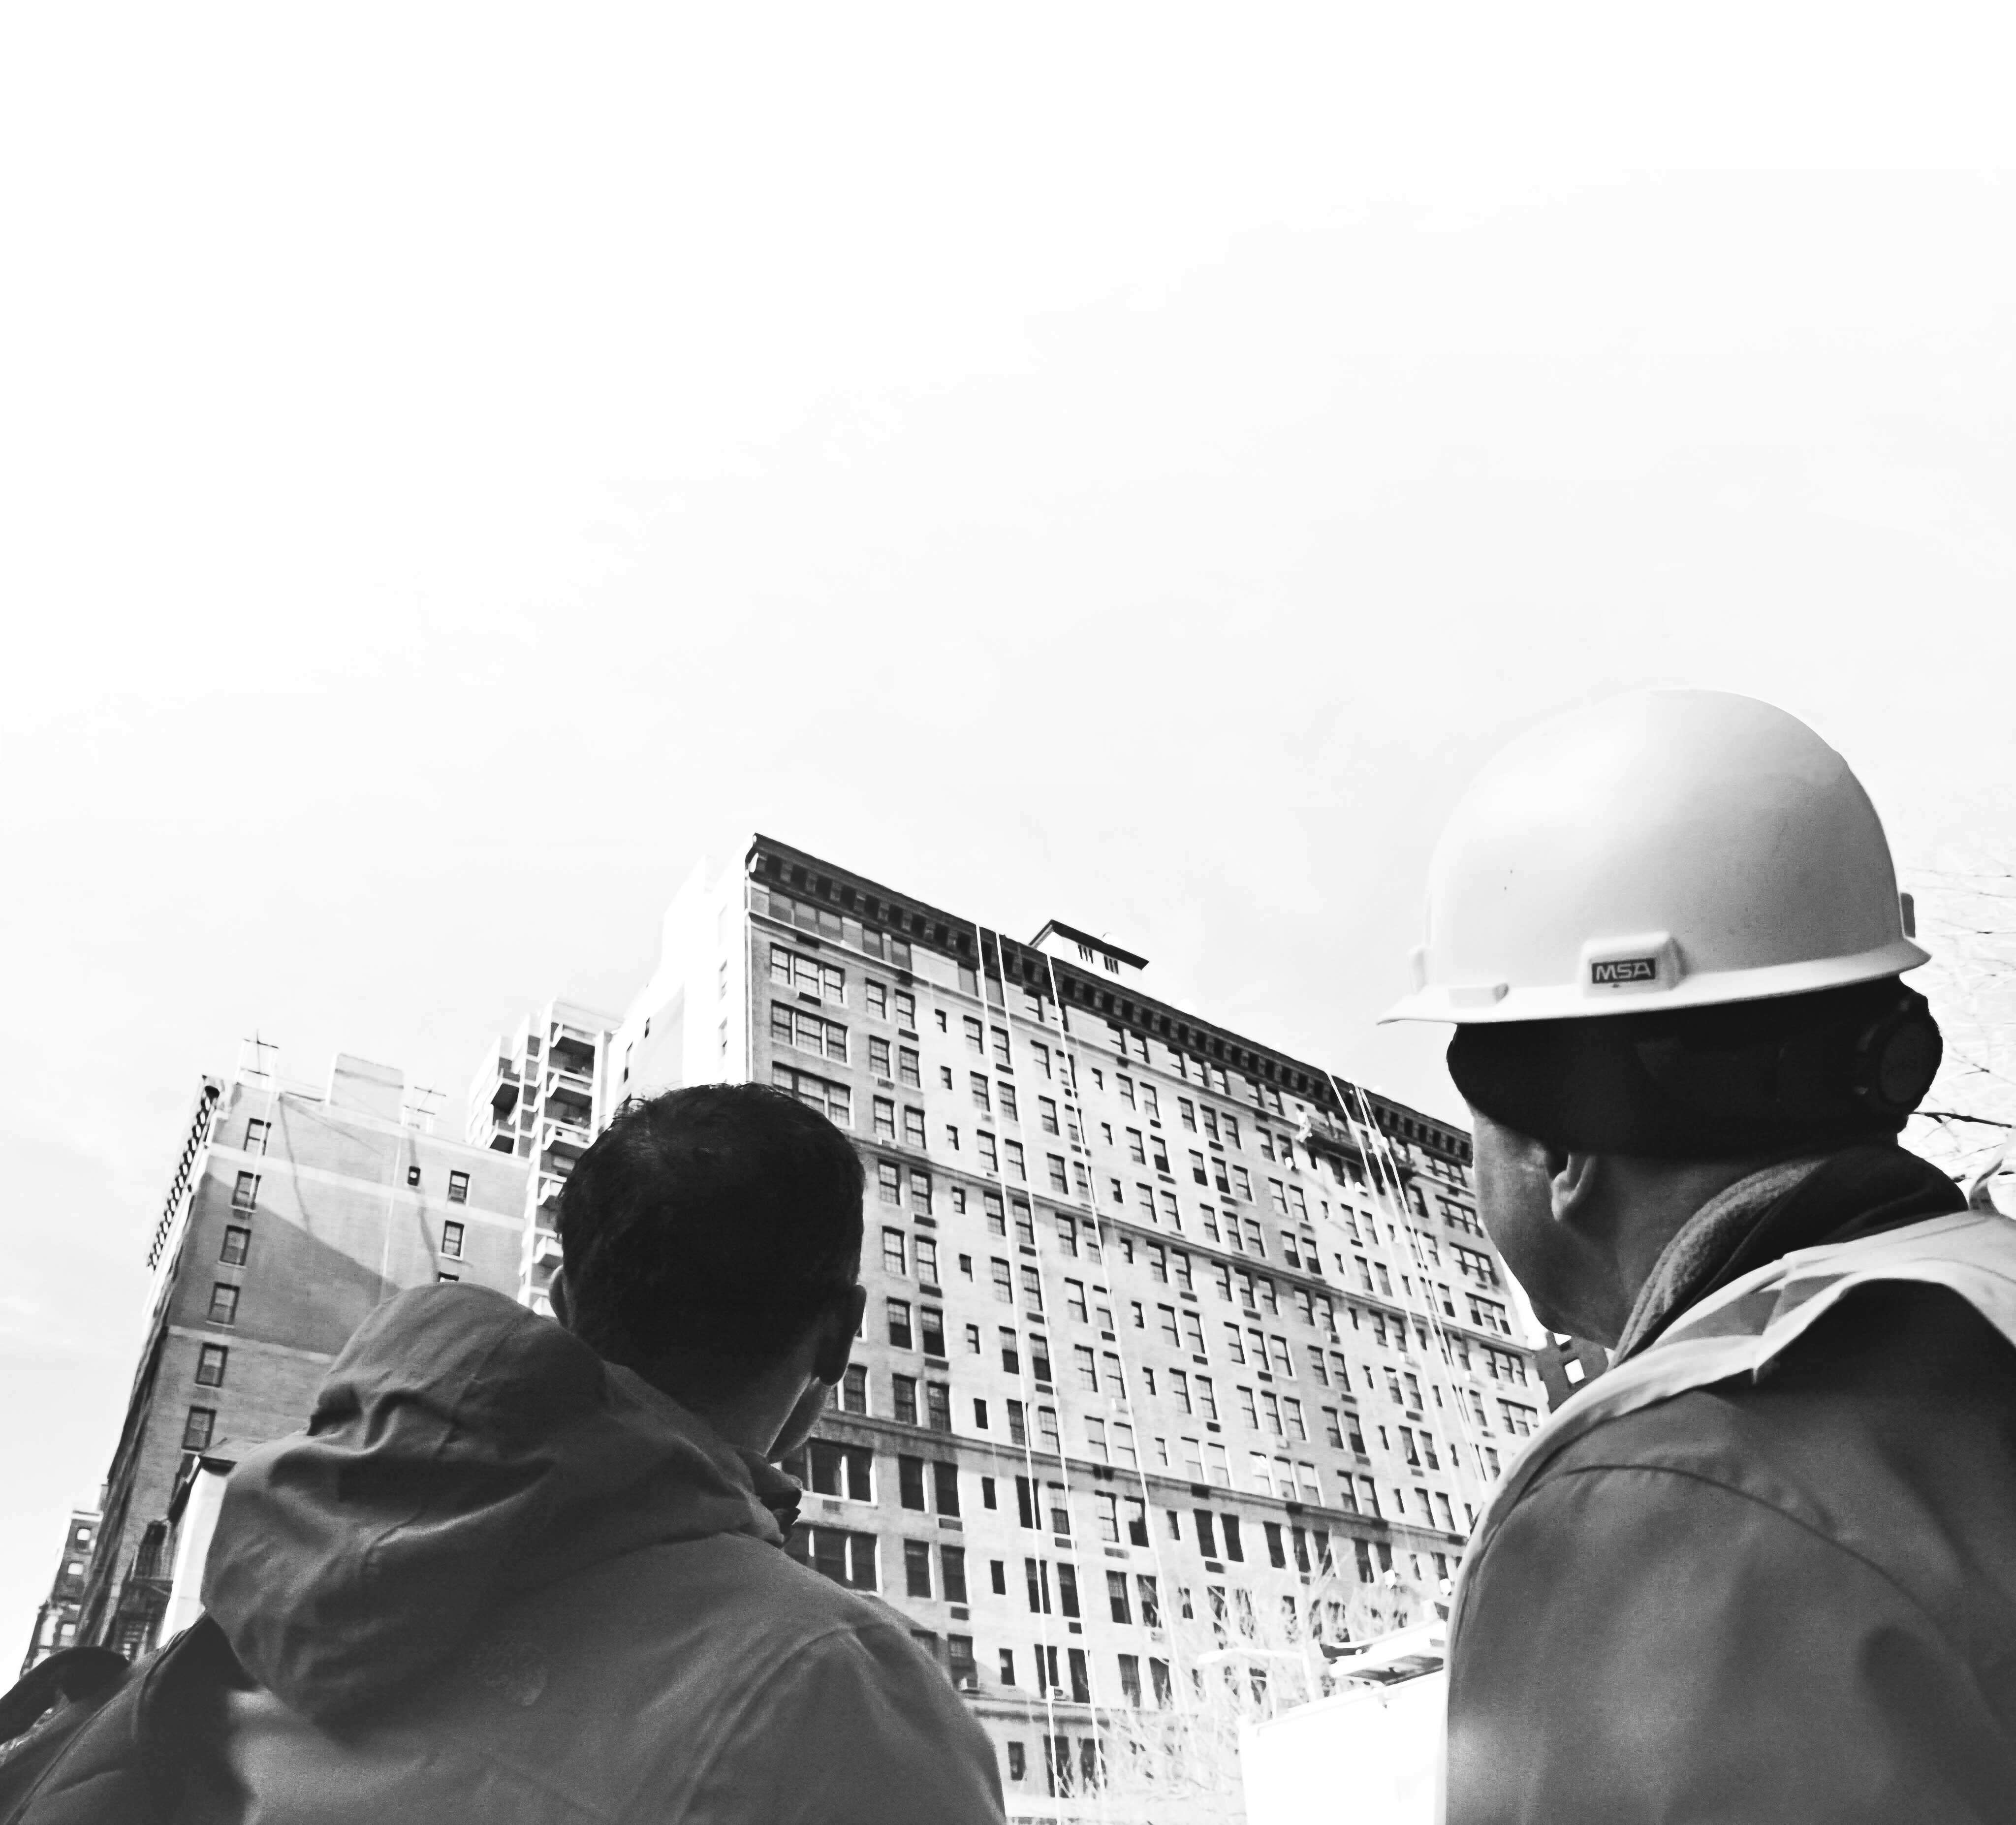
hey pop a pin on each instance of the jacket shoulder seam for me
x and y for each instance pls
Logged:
(1770, 1507)
(730, 1732)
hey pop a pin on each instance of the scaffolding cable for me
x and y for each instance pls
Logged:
(1130, 1370)
(1378, 1150)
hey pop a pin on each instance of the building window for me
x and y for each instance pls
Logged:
(913, 1128)
(885, 1125)
(808, 975)
(223, 1303)
(210, 1364)
(1004, 1284)
(904, 1390)
(847, 1558)
(245, 1193)
(834, 1101)
(843, 1470)
(458, 1188)
(807, 1031)
(854, 1390)
(199, 1428)
(1036, 1580)
(451, 1242)
(237, 1245)
(447, 1279)
(895, 1252)
(256, 1132)
(1474, 1264)
(1488, 1314)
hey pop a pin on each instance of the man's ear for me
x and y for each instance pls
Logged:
(837, 1344)
(557, 1292)
(1575, 1181)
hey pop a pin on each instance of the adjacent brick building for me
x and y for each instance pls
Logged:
(292, 1210)
(56, 1621)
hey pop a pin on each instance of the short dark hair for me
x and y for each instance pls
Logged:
(1832, 1068)
(704, 1230)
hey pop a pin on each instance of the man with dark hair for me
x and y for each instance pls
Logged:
(1764, 1568)
(517, 1571)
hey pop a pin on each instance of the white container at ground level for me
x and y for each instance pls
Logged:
(1365, 1755)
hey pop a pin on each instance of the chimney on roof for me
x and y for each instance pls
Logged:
(1101, 955)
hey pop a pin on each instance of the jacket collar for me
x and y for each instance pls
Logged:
(1794, 1203)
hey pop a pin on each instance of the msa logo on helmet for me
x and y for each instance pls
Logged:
(1631, 963)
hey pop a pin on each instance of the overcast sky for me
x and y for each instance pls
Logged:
(1127, 465)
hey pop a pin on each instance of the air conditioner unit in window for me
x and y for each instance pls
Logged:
(1057, 1694)
(969, 1684)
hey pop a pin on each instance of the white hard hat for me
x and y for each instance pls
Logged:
(1664, 849)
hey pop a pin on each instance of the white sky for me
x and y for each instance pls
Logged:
(1127, 464)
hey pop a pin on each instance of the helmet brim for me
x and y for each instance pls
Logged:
(1501, 1004)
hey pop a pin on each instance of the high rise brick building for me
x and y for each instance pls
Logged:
(1165, 1324)
(292, 1210)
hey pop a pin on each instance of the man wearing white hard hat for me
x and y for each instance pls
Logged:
(1765, 1568)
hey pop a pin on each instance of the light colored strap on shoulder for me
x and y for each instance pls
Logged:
(1741, 1328)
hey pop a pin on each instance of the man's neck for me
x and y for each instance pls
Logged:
(750, 1417)
(1642, 1206)
(1692, 1259)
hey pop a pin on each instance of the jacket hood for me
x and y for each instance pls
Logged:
(462, 1449)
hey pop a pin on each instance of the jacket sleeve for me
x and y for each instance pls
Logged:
(877, 1736)
(1643, 1644)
